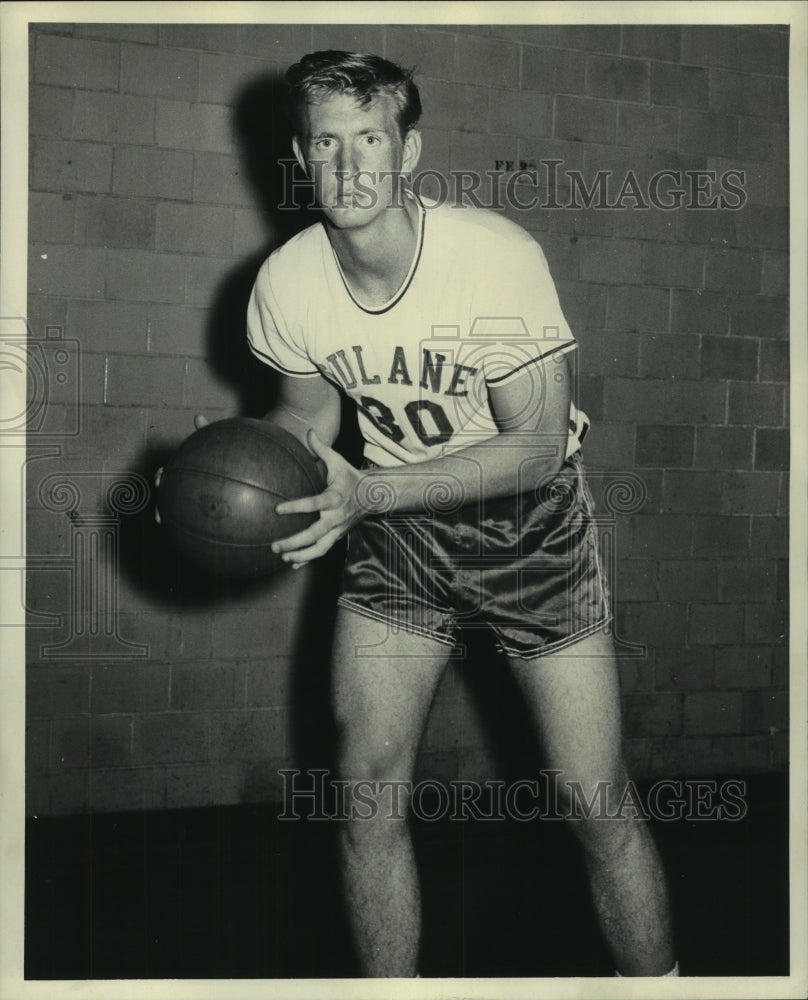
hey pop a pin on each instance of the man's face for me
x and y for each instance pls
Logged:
(355, 154)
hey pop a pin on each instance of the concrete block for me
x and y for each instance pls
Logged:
(684, 669)
(678, 86)
(153, 173)
(222, 77)
(146, 33)
(213, 37)
(139, 275)
(589, 37)
(652, 41)
(711, 134)
(756, 405)
(765, 711)
(652, 715)
(220, 180)
(458, 106)
(432, 52)
(766, 227)
(738, 93)
(553, 71)
(50, 111)
(248, 735)
(669, 356)
(204, 275)
(706, 227)
(666, 447)
(766, 623)
(742, 667)
(170, 738)
(778, 100)
(609, 261)
(522, 113)
(729, 358)
(583, 119)
(66, 270)
(762, 139)
(156, 72)
(82, 742)
(108, 434)
(764, 316)
(772, 449)
(243, 634)
(101, 326)
(713, 713)
(697, 311)
(750, 492)
(57, 690)
(182, 125)
(750, 580)
(50, 217)
(607, 352)
(178, 329)
(78, 63)
(671, 266)
(686, 492)
(114, 222)
(349, 37)
(724, 448)
(733, 270)
(136, 381)
(638, 223)
(720, 537)
(637, 580)
(681, 402)
(194, 229)
(687, 579)
(610, 446)
(638, 308)
(487, 61)
(584, 304)
(124, 789)
(71, 166)
(205, 685)
(648, 127)
(769, 537)
(104, 117)
(133, 688)
(752, 49)
(268, 683)
(251, 233)
(657, 625)
(617, 78)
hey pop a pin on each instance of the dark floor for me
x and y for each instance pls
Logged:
(234, 892)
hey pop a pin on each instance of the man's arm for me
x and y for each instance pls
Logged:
(532, 412)
(306, 404)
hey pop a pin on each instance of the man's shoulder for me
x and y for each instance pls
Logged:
(302, 250)
(480, 228)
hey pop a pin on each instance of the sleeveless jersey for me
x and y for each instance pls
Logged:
(477, 308)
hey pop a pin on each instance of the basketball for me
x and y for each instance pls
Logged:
(218, 493)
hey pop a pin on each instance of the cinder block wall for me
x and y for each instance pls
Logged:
(152, 152)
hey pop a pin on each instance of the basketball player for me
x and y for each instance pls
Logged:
(443, 324)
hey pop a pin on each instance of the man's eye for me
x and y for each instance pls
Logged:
(323, 144)
(371, 139)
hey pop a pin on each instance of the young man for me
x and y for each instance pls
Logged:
(443, 324)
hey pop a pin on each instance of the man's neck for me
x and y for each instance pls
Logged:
(376, 259)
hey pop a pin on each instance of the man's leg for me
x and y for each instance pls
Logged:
(574, 697)
(384, 685)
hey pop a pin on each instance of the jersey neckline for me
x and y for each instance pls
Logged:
(402, 290)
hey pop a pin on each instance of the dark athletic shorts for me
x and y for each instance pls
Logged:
(527, 567)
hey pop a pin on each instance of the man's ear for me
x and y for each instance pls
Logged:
(412, 150)
(299, 155)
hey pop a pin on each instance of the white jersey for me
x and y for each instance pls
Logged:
(477, 308)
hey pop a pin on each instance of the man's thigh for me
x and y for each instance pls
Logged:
(384, 682)
(574, 698)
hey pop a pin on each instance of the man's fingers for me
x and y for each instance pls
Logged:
(200, 421)
(303, 556)
(327, 500)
